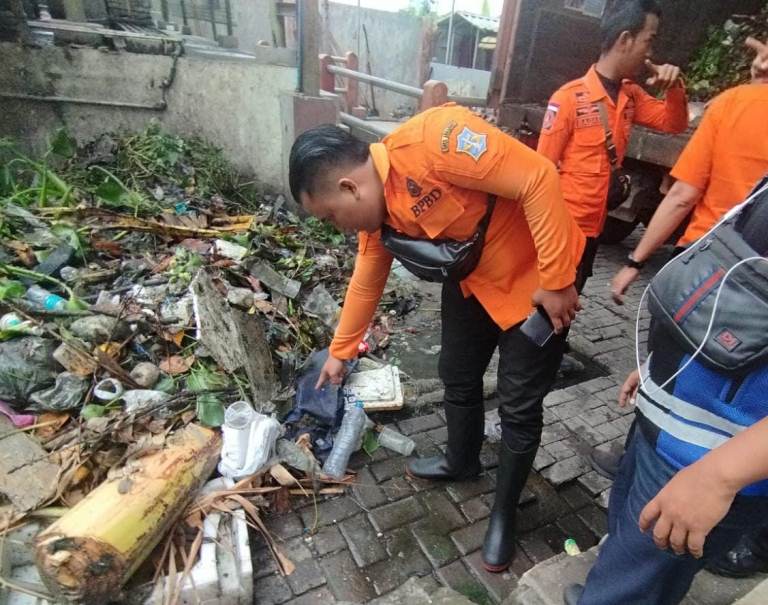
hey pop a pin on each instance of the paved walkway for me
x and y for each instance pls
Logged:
(389, 528)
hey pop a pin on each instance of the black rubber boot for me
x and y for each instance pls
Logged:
(462, 457)
(499, 543)
(747, 558)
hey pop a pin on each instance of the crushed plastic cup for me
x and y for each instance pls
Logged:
(248, 440)
(236, 433)
(108, 389)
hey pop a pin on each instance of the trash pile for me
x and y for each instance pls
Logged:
(723, 61)
(163, 322)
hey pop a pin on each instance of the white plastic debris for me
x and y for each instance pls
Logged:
(248, 440)
(223, 574)
(378, 389)
(229, 250)
(108, 389)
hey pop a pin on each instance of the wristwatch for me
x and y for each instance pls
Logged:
(635, 264)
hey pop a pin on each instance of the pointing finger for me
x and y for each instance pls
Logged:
(652, 66)
(756, 45)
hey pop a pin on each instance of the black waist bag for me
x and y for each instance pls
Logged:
(439, 260)
(682, 296)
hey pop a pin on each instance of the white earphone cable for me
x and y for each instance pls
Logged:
(728, 215)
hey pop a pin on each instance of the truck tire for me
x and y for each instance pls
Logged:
(615, 230)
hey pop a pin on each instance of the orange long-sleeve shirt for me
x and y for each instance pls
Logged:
(573, 137)
(438, 169)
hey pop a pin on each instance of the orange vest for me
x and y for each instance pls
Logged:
(438, 169)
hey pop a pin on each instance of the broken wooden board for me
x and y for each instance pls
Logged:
(28, 479)
(233, 338)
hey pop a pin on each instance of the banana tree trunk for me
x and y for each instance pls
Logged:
(88, 554)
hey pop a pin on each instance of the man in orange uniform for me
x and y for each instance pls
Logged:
(573, 135)
(575, 138)
(431, 179)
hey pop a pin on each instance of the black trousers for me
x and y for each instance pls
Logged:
(526, 371)
(587, 264)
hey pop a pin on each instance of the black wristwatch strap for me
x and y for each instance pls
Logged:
(631, 262)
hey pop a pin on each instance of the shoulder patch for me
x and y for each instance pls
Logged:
(550, 116)
(472, 143)
(445, 137)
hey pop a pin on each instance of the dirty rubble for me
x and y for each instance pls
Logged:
(166, 309)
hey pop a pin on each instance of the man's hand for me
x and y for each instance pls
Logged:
(687, 508)
(662, 77)
(560, 305)
(333, 371)
(760, 64)
(621, 281)
(628, 392)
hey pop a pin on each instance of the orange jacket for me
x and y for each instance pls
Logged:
(573, 137)
(437, 170)
(726, 156)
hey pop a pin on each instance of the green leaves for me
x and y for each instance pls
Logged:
(210, 408)
(10, 289)
(370, 442)
(63, 145)
(92, 410)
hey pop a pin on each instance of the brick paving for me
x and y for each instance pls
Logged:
(389, 528)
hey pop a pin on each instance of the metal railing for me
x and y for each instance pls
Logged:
(433, 93)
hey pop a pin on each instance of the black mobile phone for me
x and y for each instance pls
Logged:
(538, 327)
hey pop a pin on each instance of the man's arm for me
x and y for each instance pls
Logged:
(511, 170)
(557, 128)
(363, 294)
(692, 171)
(669, 115)
(678, 203)
(699, 496)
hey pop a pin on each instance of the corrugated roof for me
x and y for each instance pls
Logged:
(479, 21)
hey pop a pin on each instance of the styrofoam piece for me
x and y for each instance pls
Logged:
(378, 389)
(223, 574)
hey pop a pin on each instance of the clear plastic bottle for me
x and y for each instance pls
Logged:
(11, 322)
(397, 442)
(346, 441)
(236, 431)
(47, 300)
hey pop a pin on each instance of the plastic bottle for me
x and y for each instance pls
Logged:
(397, 442)
(236, 432)
(46, 300)
(571, 548)
(345, 442)
(11, 322)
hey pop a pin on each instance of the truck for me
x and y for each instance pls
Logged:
(542, 44)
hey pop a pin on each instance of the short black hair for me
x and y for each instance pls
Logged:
(626, 16)
(319, 149)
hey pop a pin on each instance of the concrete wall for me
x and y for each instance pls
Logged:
(461, 81)
(395, 41)
(235, 103)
